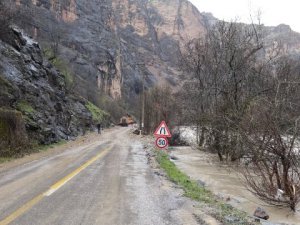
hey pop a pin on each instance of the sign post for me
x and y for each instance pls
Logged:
(161, 133)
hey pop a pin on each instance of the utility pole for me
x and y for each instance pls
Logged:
(143, 102)
(142, 115)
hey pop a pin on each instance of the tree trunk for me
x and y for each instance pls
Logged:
(202, 136)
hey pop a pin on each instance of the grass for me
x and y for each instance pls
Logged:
(42, 148)
(35, 149)
(5, 159)
(190, 187)
(221, 210)
(25, 107)
(97, 113)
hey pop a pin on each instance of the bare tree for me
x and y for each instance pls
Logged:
(247, 98)
(271, 133)
(159, 105)
(222, 65)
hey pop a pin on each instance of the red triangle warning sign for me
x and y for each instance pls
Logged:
(162, 130)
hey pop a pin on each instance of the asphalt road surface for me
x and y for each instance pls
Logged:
(107, 182)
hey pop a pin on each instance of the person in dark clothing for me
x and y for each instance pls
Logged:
(99, 128)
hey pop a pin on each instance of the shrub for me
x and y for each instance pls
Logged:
(7, 13)
(98, 115)
(13, 138)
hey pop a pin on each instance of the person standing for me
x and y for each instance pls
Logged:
(99, 128)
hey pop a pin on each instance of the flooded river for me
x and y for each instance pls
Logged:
(227, 184)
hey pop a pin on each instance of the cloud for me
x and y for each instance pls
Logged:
(273, 12)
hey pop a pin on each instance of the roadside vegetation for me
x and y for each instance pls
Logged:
(34, 148)
(14, 140)
(218, 209)
(98, 115)
(243, 95)
(42, 148)
(5, 159)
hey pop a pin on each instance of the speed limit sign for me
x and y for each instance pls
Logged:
(161, 142)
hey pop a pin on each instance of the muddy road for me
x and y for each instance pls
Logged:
(104, 181)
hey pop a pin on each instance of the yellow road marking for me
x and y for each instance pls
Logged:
(27, 206)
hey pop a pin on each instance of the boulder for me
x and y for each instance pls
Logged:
(261, 213)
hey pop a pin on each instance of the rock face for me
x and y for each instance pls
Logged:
(283, 36)
(116, 46)
(113, 45)
(33, 86)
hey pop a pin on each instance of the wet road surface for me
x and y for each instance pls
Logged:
(107, 181)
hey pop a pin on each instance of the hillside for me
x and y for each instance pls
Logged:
(111, 48)
(112, 45)
(36, 89)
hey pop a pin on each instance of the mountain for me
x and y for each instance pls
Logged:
(112, 45)
(103, 48)
(284, 36)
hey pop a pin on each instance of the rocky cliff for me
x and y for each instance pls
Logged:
(31, 85)
(113, 45)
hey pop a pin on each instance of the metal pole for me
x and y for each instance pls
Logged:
(143, 103)
(143, 99)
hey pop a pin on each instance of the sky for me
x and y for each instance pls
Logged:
(272, 12)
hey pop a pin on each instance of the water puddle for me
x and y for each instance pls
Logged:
(227, 184)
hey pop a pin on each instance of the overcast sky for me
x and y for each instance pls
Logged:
(272, 12)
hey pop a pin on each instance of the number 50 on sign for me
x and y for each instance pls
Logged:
(161, 142)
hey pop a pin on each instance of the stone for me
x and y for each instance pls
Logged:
(232, 219)
(173, 157)
(201, 183)
(261, 213)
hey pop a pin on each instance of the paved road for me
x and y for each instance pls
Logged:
(104, 182)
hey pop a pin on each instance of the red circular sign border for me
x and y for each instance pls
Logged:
(167, 142)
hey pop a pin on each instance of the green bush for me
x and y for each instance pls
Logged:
(98, 115)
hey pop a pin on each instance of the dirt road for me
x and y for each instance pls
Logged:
(103, 181)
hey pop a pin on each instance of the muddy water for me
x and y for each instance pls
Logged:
(227, 184)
